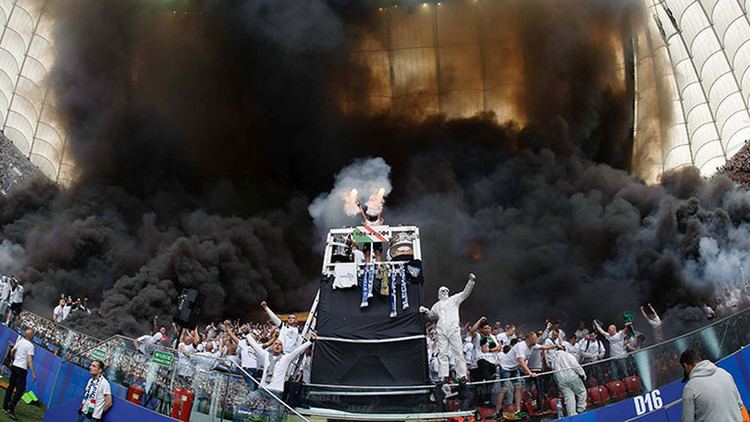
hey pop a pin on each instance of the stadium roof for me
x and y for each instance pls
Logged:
(692, 85)
(27, 115)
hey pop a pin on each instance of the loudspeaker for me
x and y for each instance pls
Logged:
(188, 307)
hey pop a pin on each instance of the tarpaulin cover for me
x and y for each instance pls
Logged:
(350, 363)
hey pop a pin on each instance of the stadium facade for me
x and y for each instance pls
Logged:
(686, 69)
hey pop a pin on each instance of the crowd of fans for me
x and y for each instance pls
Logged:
(15, 168)
(206, 356)
(737, 168)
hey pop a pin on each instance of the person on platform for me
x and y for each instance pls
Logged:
(23, 360)
(448, 329)
(288, 331)
(97, 396)
(710, 393)
(569, 377)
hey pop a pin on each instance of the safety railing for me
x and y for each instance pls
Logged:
(163, 381)
(607, 381)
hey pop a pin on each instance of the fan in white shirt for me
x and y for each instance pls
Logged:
(655, 323)
(276, 363)
(97, 396)
(58, 314)
(288, 331)
(509, 334)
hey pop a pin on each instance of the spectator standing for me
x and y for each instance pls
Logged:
(655, 323)
(511, 365)
(288, 331)
(67, 308)
(97, 396)
(23, 360)
(509, 334)
(617, 350)
(16, 300)
(58, 313)
(710, 393)
(276, 362)
(569, 377)
(581, 332)
(487, 347)
(4, 296)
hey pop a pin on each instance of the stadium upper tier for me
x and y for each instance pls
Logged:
(27, 112)
(690, 59)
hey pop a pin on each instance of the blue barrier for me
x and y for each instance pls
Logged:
(664, 404)
(60, 385)
(122, 410)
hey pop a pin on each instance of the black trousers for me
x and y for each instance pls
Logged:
(16, 388)
(486, 372)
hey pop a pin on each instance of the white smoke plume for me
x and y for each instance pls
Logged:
(364, 178)
(12, 256)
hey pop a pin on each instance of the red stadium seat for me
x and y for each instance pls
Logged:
(617, 390)
(553, 403)
(599, 395)
(633, 385)
(591, 382)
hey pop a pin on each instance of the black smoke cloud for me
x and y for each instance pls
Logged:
(202, 130)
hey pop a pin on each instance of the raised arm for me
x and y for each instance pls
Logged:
(473, 329)
(299, 350)
(463, 294)
(644, 314)
(232, 336)
(653, 311)
(601, 330)
(274, 337)
(276, 320)
(256, 347)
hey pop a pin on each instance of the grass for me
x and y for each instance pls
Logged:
(24, 412)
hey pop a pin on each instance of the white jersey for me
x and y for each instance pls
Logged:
(16, 295)
(58, 314)
(23, 349)
(5, 291)
(591, 350)
(656, 326)
(617, 344)
(521, 350)
(275, 367)
(145, 343)
(248, 358)
(505, 339)
(289, 336)
(94, 395)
